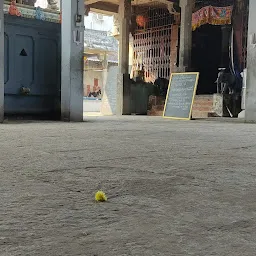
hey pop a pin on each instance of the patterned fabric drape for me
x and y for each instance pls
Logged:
(212, 15)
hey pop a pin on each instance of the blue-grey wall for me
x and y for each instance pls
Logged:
(32, 60)
(1, 62)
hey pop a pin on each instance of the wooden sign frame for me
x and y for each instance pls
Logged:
(193, 96)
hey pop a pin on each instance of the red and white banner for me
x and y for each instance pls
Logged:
(212, 15)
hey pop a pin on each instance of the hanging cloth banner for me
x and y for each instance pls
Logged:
(212, 15)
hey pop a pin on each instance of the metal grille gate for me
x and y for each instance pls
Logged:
(152, 44)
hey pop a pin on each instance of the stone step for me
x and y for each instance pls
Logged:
(202, 108)
(195, 114)
(156, 100)
(158, 108)
(204, 104)
(155, 113)
(202, 114)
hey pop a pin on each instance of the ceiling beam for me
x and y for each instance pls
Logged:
(104, 7)
(109, 7)
(89, 2)
(108, 13)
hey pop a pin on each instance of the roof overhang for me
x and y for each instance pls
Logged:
(110, 7)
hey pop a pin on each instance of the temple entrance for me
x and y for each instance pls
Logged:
(208, 57)
(218, 53)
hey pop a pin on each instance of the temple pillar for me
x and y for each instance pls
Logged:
(104, 59)
(72, 44)
(123, 81)
(185, 35)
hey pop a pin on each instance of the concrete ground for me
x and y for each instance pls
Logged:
(174, 188)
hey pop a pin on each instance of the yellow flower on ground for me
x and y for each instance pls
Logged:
(100, 196)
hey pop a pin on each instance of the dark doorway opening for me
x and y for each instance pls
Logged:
(209, 53)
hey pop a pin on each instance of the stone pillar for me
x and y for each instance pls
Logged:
(123, 83)
(110, 74)
(1, 61)
(250, 106)
(104, 59)
(174, 49)
(185, 35)
(72, 36)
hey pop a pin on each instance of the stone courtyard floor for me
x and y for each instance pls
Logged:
(175, 188)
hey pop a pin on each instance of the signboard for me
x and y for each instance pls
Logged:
(180, 95)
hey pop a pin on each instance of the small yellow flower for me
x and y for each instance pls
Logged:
(100, 196)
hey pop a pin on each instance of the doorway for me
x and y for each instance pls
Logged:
(210, 52)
